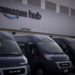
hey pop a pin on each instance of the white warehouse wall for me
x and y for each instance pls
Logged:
(50, 22)
(24, 2)
(68, 3)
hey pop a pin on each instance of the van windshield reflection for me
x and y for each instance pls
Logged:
(49, 47)
(9, 47)
(72, 43)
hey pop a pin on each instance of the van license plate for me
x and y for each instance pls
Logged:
(14, 71)
(65, 70)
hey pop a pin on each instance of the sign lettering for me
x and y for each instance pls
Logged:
(29, 13)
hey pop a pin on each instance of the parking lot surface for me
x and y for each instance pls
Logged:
(72, 74)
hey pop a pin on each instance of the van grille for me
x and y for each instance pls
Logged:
(14, 71)
(5, 62)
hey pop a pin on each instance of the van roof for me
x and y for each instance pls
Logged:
(31, 38)
(5, 35)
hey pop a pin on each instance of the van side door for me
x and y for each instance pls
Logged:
(31, 52)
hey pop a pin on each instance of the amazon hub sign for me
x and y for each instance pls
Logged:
(8, 12)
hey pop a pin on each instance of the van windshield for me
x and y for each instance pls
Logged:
(49, 47)
(71, 42)
(9, 47)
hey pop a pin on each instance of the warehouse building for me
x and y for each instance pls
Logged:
(39, 16)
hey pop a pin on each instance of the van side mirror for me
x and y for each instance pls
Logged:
(29, 45)
(29, 48)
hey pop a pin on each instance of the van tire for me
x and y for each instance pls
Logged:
(39, 71)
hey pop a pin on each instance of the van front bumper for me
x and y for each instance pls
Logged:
(22, 70)
(58, 67)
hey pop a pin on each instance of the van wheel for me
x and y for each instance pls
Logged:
(65, 74)
(39, 71)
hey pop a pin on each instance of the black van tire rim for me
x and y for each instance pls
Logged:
(39, 72)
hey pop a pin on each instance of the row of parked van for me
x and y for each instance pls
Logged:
(39, 55)
(44, 55)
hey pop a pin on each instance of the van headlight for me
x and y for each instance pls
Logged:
(25, 59)
(48, 57)
(67, 58)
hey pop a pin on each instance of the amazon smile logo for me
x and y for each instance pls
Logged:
(10, 16)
